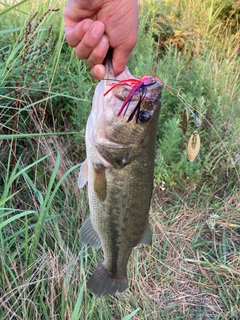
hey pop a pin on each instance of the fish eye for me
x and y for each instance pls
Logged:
(152, 80)
(144, 116)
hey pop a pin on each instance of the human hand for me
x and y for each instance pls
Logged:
(91, 27)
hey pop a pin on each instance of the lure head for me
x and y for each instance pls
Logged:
(148, 80)
(136, 91)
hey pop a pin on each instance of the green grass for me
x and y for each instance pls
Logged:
(192, 270)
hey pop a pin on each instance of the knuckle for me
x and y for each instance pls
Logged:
(81, 54)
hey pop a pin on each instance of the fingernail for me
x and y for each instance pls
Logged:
(104, 41)
(98, 72)
(86, 25)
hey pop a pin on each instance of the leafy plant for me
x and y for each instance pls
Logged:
(192, 269)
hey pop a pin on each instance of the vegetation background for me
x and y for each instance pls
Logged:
(192, 270)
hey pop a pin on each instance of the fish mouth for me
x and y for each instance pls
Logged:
(153, 92)
(143, 99)
(151, 95)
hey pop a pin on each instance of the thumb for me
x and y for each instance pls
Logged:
(120, 60)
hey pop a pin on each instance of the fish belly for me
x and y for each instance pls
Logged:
(120, 221)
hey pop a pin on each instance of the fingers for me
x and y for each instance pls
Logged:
(98, 71)
(119, 61)
(91, 29)
(99, 52)
(121, 55)
(122, 32)
(90, 40)
(86, 36)
(75, 32)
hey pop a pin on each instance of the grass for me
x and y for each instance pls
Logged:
(192, 270)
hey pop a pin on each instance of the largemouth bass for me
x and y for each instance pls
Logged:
(119, 169)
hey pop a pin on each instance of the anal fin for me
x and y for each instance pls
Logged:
(89, 236)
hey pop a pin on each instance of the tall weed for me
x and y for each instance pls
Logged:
(192, 269)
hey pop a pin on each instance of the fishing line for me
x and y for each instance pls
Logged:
(194, 140)
(137, 86)
(110, 79)
(186, 104)
(140, 85)
(198, 124)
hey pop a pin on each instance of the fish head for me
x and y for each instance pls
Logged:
(117, 134)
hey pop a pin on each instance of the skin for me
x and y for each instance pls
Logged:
(91, 27)
(120, 158)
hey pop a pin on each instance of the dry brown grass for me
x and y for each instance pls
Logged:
(185, 275)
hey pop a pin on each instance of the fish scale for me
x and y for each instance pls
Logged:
(119, 169)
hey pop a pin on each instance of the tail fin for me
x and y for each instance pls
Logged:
(102, 282)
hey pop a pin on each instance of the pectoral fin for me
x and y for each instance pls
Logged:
(147, 237)
(100, 183)
(83, 174)
(89, 236)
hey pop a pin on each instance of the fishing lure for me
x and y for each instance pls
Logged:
(137, 86)
(185, 119)
(193, 146)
